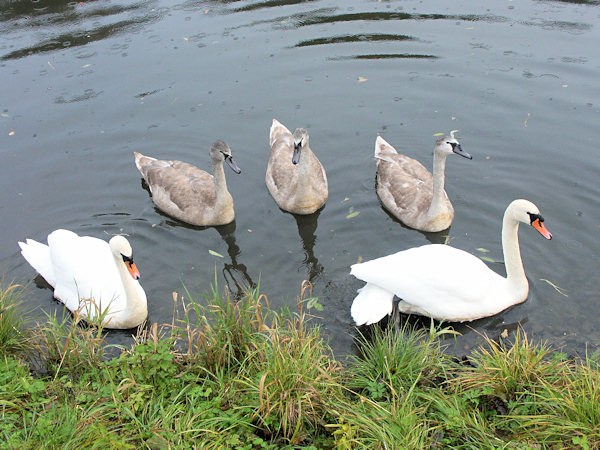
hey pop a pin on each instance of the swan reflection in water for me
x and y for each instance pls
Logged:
(307, 227)
(235, 274)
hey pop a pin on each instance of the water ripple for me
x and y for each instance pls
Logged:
(23, 17)
(375, 37)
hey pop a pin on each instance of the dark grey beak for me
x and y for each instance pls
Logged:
(456, 148)
(231, 163)
(296, 155)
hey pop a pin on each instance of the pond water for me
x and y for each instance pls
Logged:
(85, 84)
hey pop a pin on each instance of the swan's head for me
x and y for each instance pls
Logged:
(447, 145)
(220, 152)
(300, 142)
(525, 211)
(121, 249)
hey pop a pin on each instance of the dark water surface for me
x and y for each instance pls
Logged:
(84, 85)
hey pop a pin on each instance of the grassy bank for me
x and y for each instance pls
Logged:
(234, 374)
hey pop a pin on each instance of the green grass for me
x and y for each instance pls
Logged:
(13, 320)
(232, 373)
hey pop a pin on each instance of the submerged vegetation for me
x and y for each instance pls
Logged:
(231, 373)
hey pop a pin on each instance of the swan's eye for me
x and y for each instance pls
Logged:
(127, 260)
(453, 144)
(534, 217)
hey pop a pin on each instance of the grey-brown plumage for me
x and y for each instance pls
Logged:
(409, 191)
(295, 177)
(188, 193)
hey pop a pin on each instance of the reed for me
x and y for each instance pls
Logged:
(14, 321)
(229, 372)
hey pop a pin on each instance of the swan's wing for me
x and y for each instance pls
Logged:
(403, 184)
(281, 173)
(436, 278)
(38, 256)
(85, 269)
(320, 176)
(190, 187)
(179, 184)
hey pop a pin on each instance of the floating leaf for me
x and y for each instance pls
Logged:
(438, 134)
(345, 199)
(556, 288)
(362, 79)
(313, 302)
(359, 259)
(485, 258)
(352, 214)
(212, 252)
(482, 250)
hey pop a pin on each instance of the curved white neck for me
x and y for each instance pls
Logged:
(515, 274)
(133, 306)
(438, 201)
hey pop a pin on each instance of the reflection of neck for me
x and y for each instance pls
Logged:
(231, 271)
(307, 227)
(515, 274)
(438, 200)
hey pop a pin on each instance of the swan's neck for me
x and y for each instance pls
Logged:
(304, 188)
(133, 306)
(438, 201)
(515, 274)
(222, 196)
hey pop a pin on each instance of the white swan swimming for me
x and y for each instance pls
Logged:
(409, 191)
(188, 193)
(295, 177)
(445, 283)
(90, 276)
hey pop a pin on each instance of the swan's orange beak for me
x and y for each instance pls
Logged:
(539, 225)
(133, 270)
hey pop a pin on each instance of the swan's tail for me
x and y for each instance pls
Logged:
(38, 256)
(383, 150)
(277, 131)
(141, 161)
(371, 304)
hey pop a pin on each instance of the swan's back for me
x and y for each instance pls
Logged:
(404, 185)
(176, 184)
(443, 281)
(282, 174)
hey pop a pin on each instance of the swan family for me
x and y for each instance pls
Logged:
(98, 280)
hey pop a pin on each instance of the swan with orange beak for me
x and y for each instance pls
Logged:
(446, 283)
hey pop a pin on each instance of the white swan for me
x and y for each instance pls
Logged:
(188, 193)
(295, 177)
(90, 276)
(444, 283)
(409, 191)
